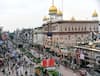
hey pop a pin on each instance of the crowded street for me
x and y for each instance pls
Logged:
(49, 37)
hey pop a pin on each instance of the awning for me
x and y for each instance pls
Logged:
(86, 48)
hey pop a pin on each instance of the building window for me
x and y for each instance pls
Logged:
(72, 28)
(94, 28)
(61, 37)
(75, 35)
(53, 28)
(79, 29)
(46, 28)
(82, 28)
(85, 28)
(75, 29)
(57, 38)
(66, 38)
(69, 29)
(65, 29)
(69, 37)
(90, 28)
(97, 29)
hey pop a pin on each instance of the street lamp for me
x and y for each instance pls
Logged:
(49, 34)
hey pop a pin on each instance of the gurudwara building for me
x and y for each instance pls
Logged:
(64, 33)
(60, 33)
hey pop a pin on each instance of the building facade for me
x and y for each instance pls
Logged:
(24, 37)
(38, 36)
(68, 33)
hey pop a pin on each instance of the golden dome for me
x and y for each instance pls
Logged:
(95, 14)
(59, 13)
(53, 9)
(45, 18)
(73, 18)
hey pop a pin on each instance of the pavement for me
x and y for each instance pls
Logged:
(66, 71)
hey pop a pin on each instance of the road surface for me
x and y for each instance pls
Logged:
(66, 71)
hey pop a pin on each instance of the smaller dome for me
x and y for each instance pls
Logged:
(59, 13)
(53, 9)
(95, 14)
(72, 18)
(45, 18)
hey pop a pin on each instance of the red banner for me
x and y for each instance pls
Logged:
(44, 63)
(48, 62)
(51, 62)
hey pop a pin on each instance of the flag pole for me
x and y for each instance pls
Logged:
(52, 2)
(62, 7)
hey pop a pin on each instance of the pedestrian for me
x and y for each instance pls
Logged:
(60, 74)
(16, 68)
(73, 65)
(21, 70)
(26, 73)
(12, 68)
(46, 73)
(9, 73)
(82, 61)
(3, 71)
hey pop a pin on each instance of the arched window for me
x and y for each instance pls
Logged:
(82, 28)
(72, 28)
(69, 29)
(85, 28)
(65, 29)
(78, 28)
(75, 29)
(94, 29)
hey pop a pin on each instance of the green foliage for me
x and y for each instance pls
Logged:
(11, 35)
(54, 73)
(23, 50)
(37, 60)
(28, 54)
(41, 68)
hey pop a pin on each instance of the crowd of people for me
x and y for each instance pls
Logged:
(14, 62)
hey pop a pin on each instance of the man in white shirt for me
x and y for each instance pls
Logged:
(82, 56)
(82, 62)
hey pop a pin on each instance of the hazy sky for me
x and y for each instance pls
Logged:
(29, 13)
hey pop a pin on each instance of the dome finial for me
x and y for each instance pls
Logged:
(52, 10)
(94, 14)
(59, 13)
(72, 18)
(52, 2)
(45, 18)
